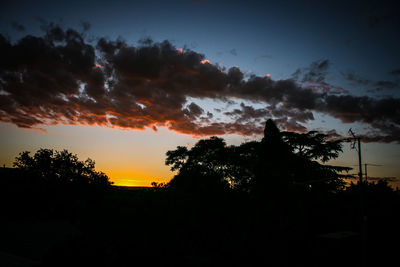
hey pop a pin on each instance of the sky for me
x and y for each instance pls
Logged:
(123, 82)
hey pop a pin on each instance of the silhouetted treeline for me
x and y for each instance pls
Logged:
(280, 163)
(267, 203)
(62, 167)
(51, 182)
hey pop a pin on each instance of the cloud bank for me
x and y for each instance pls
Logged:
(61, 78)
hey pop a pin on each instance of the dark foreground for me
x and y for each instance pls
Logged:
(51, 226)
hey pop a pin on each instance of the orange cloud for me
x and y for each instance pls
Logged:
(113, 84)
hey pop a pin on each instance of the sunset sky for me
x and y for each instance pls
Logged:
(123, 82)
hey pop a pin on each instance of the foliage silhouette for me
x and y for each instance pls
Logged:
(280, 161)
(61, 166)
(313, 145)
(202, 168)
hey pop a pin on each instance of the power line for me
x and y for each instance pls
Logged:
(365, 169)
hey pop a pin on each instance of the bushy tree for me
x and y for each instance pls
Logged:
(61, 166)
(202, 168)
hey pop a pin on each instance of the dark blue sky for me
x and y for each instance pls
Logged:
(260, 36)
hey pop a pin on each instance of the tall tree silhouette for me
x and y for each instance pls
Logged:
(274, 169)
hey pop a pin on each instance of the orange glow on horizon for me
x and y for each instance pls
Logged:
(205, 61)
(133, 178)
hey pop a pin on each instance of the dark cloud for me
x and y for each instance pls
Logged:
(290, 124)
(316, 72)
(18, 26)
(374, 86)
(354, 78)
(85, 25)
(361, 109)
(395, 72)
(60, 78)
(386, 85)
(193, 111)
(247, 113)
(313, 77)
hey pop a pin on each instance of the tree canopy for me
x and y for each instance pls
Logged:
(204, 167)
(279, 160)
(61, 166)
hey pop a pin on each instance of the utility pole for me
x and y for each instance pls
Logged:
(359, 159)
(365, 171)
(362, 200)
(353, 146)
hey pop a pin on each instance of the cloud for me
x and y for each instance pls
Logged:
(395, 72)
(18, 26)
(354, 78)
(85, 25)
(60, 78)
(233, 52)
(316, 72)
(248, 113)
(375, 86)
(313, 77)
(386, 85)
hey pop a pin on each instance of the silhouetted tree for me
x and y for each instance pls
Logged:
(310, 149)
(61, 166)
(313, 145)
(289, 159)
(202, 168)
(242, 164)
(280, 161)
(274, 168)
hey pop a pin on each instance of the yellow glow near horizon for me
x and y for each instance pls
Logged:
(136, 178)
